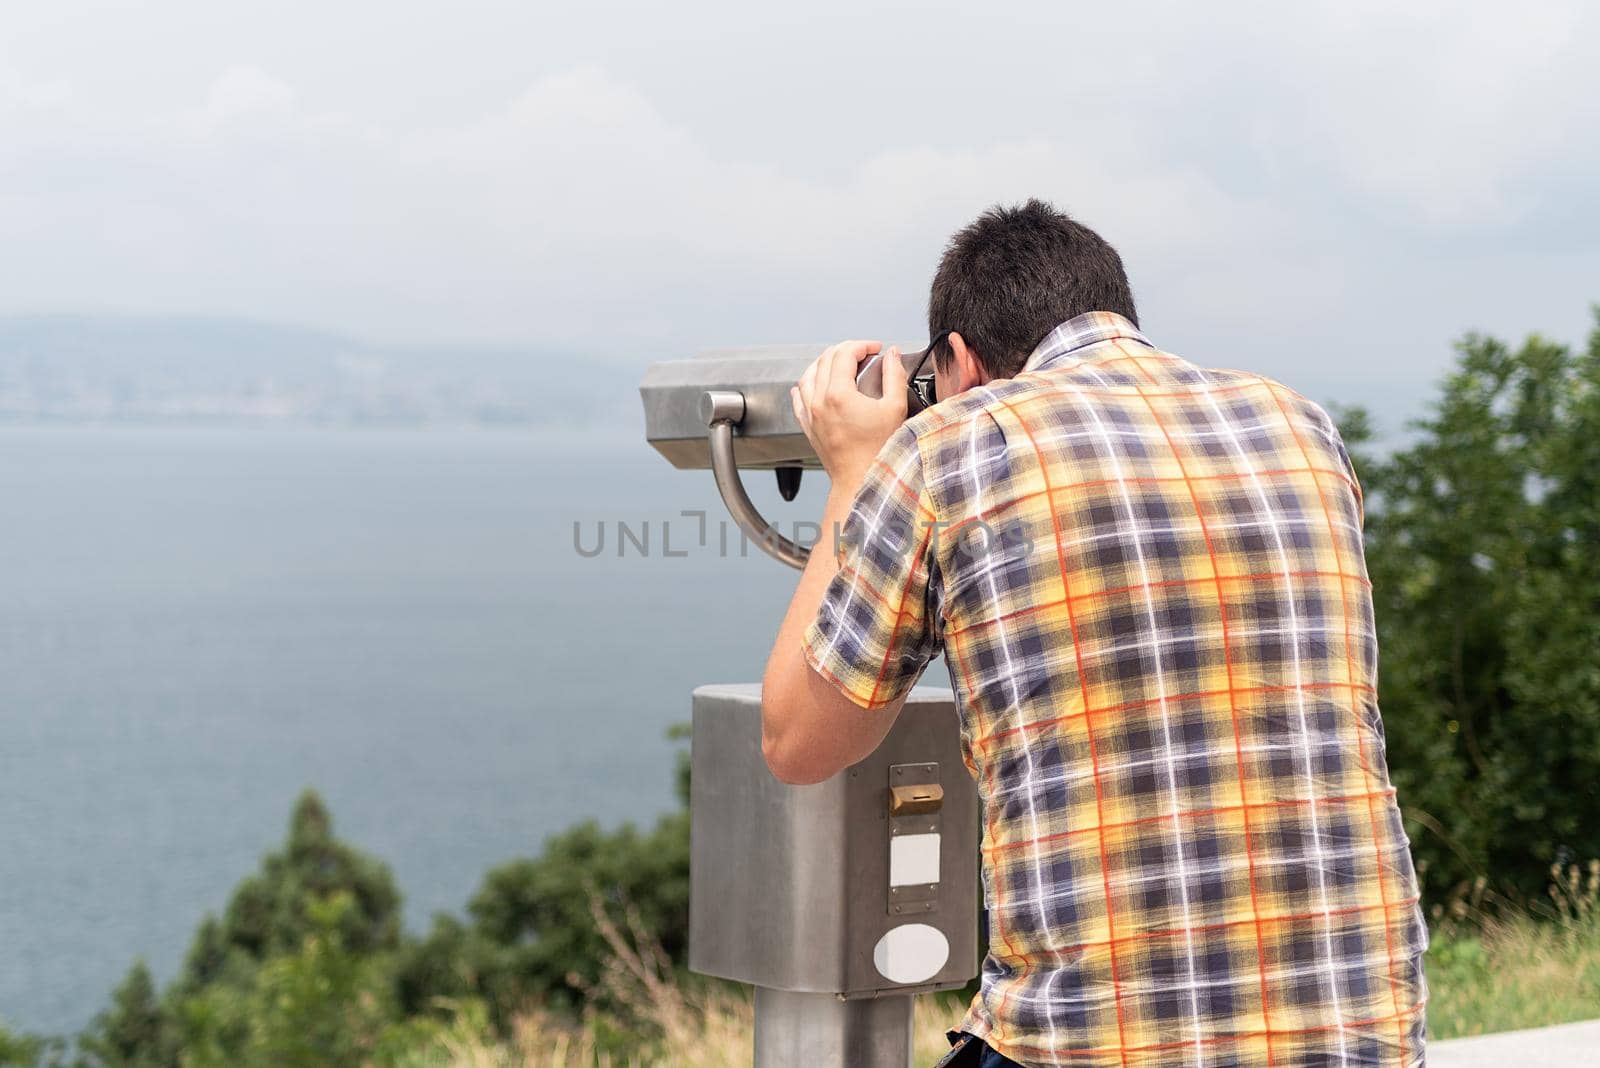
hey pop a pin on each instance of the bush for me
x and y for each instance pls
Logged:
(135, 1032)
(23, 1051)
(298, 971)
(533, 938)
(1484, 547)
(1510, 968)
(325, 1005)
(307, 964)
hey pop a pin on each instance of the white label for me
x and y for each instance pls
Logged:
(913, 859)
(911, 953)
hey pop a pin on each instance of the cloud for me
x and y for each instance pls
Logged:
(562, 211)
(1269, 182)
(1439, 111)
(38, 95)
(244, 89)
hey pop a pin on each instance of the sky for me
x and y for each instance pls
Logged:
(1329, 192)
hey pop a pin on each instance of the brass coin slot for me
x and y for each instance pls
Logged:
(919, 799)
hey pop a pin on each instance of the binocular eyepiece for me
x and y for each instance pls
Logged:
(729, 409)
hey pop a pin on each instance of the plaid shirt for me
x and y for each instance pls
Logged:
(1148, 583)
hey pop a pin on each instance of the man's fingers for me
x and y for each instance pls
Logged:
(808, 383)
(841, 378)
(825, 363)
(894, 380)
(832, 376)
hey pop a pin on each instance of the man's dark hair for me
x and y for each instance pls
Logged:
(1014, 274)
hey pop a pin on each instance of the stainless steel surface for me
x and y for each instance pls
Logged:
(821, 1031)
(730, 409)
(721, 406)
(725, 469)
(790, 887)
(769, 436)
(789, 884)
(869, 379)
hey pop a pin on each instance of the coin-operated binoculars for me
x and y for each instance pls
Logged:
(840, 901)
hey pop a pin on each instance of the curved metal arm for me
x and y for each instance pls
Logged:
(723, 410)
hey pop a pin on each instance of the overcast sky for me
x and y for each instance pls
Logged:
(1327, 191)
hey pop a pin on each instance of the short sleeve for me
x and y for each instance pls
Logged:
(1355, 479)
(878, 625)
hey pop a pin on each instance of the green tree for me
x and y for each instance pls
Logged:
(325, 1005)
(298, 969)
(532, 935)
(19, 1051)
(270, 912)
(307, 964)
(1483, 542)
(538, 911)
(136, 1031)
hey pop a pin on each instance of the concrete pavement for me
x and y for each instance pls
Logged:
(1564, 1046)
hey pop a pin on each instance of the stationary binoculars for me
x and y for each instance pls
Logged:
(729, 409)
(838, 902)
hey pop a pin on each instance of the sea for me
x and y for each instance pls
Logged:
(465, 640)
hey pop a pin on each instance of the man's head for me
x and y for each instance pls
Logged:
(1007, 280)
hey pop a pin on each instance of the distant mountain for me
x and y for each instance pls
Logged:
(96, 368)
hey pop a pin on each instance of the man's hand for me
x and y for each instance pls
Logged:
(845, 426)
(809, 728)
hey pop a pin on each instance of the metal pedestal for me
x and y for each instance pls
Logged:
(838, 901)
(812, 1030)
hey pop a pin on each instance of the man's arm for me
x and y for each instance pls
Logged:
(810, 729)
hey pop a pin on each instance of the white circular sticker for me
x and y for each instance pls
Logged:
(911, 953)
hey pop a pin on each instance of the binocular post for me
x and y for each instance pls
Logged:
(816, 1029)
(838, 902)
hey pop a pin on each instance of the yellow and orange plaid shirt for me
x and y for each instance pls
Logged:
(1148, 583)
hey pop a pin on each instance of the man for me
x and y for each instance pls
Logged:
(1148, 584)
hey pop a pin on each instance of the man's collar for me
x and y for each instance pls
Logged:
(1080, 332)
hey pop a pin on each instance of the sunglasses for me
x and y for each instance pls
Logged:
(920, 392)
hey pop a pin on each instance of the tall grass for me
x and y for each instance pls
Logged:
(1498, 967)
(651, 1017)
(1491, 967)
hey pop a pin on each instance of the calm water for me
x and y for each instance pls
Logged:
(196, 624)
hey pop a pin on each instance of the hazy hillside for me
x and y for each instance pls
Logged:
(79, 368)
(103, 368)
